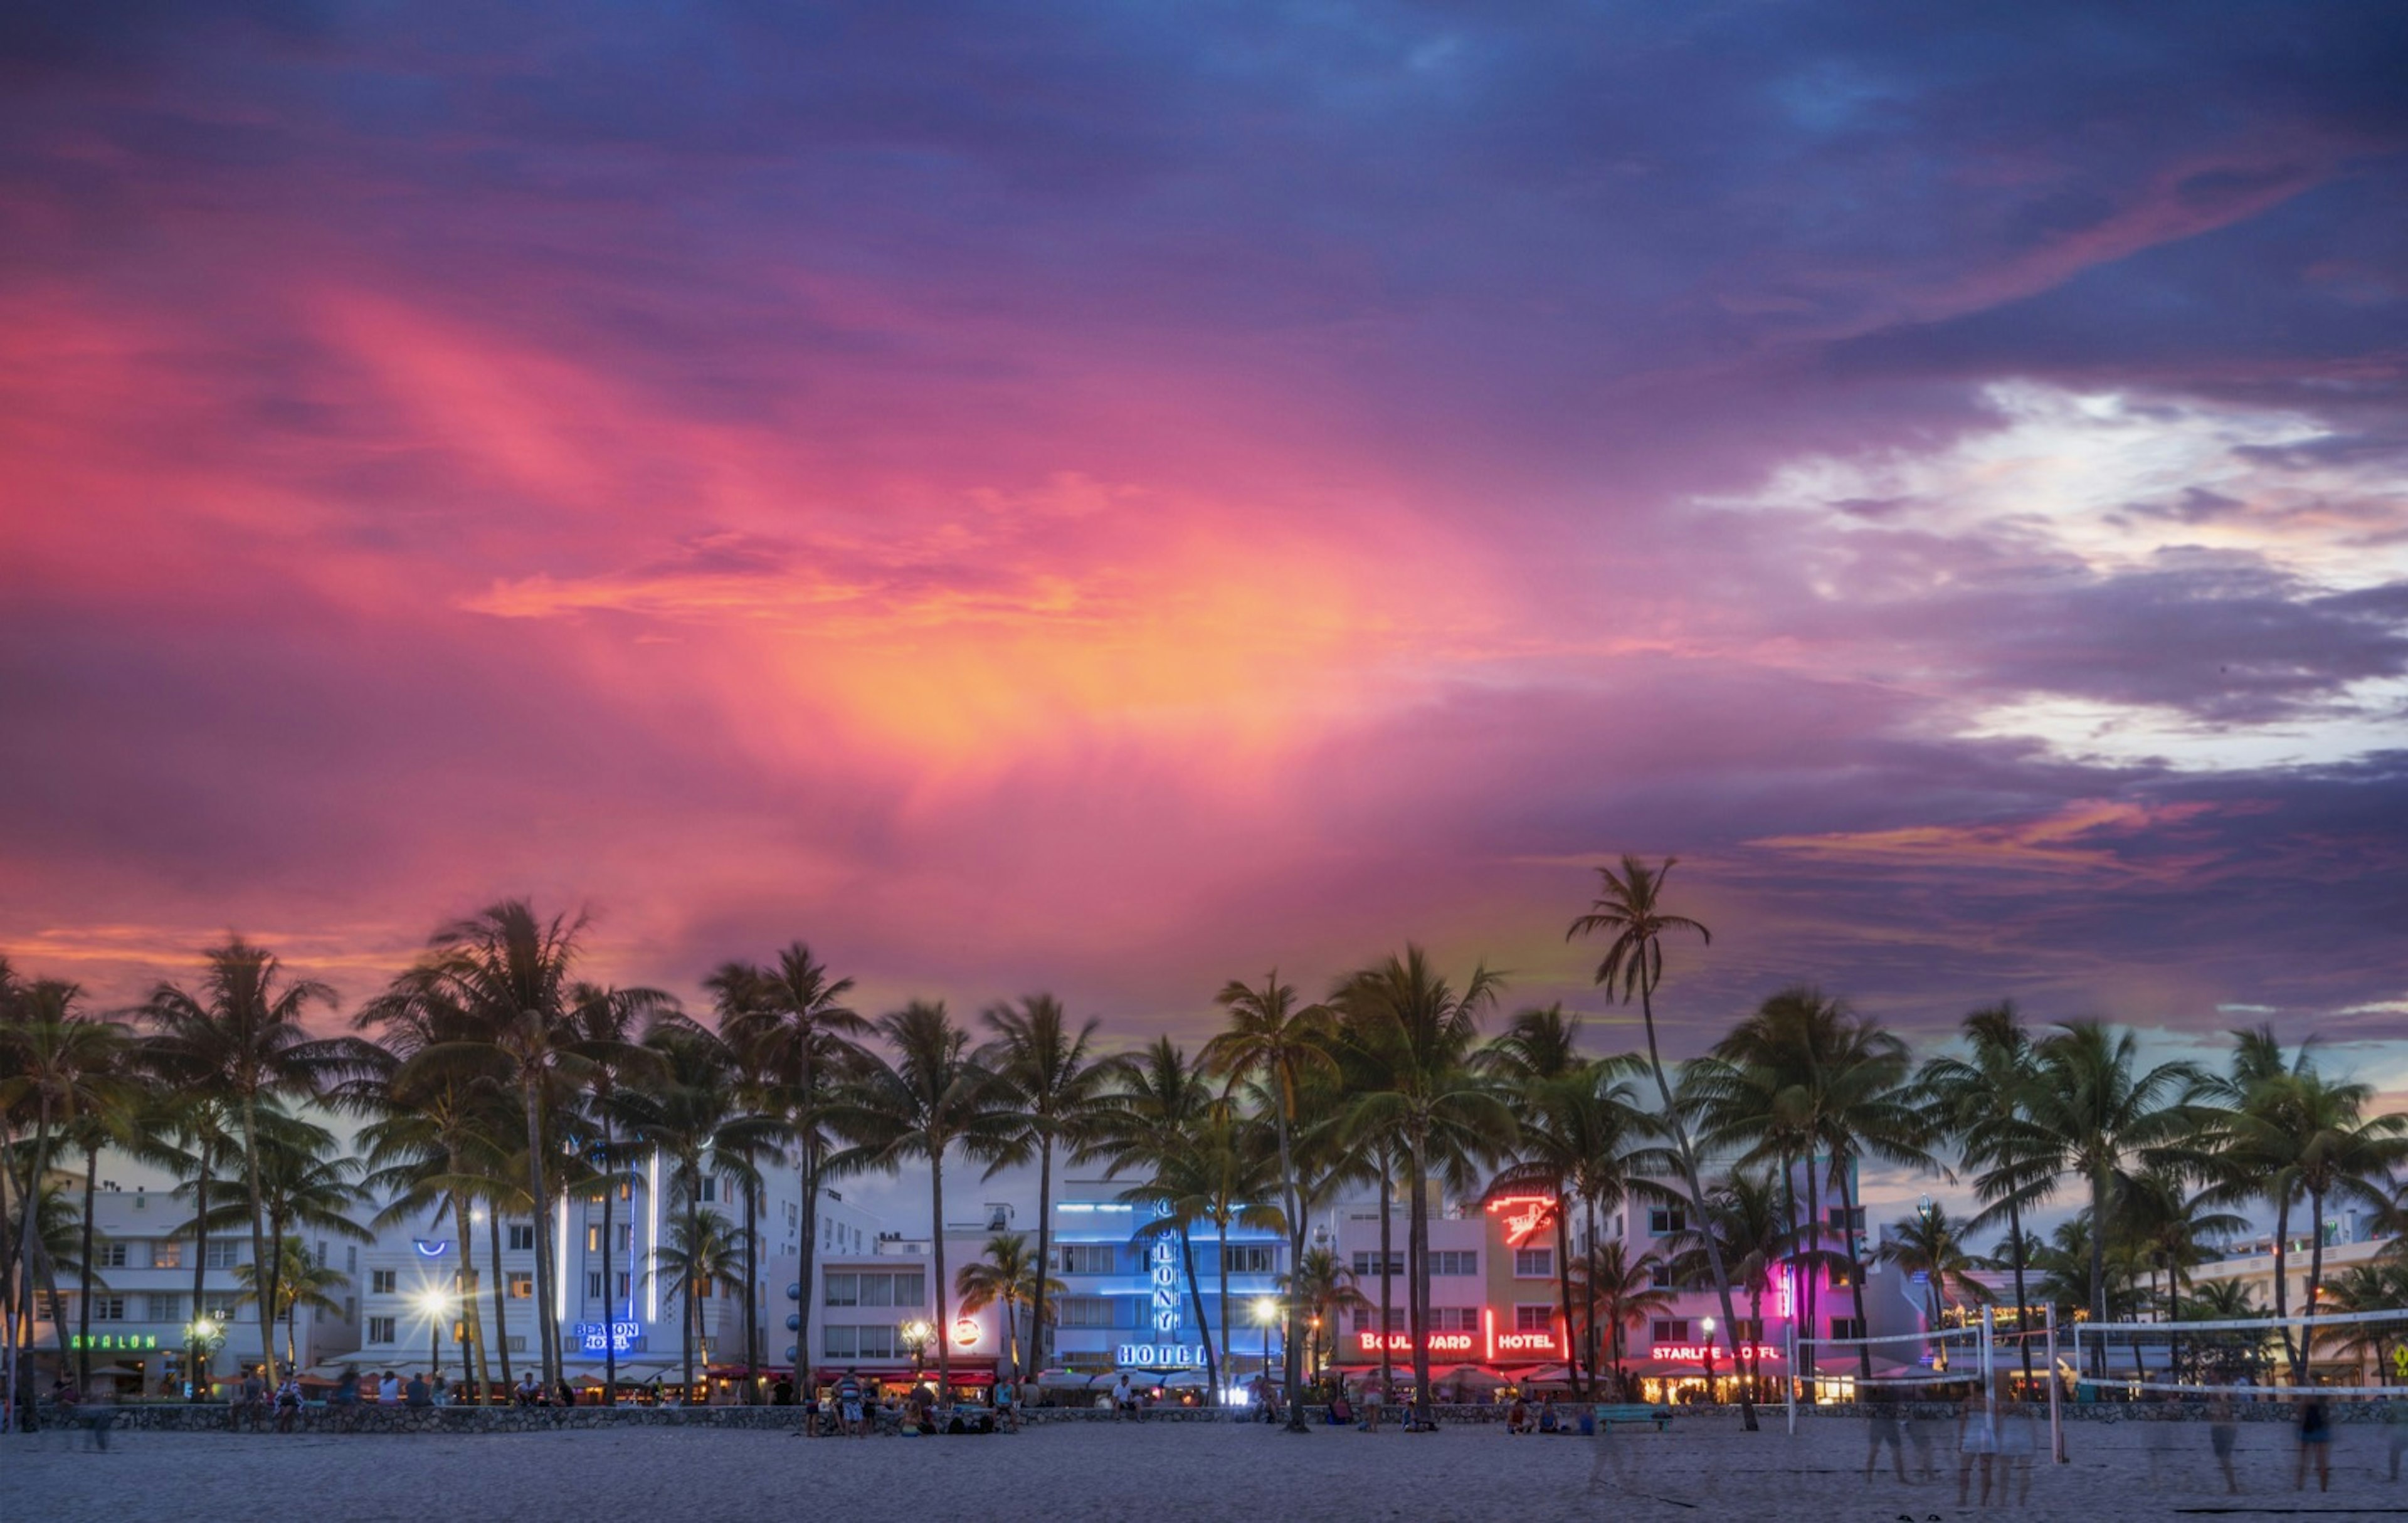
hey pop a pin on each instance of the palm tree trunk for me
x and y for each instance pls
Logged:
(2281, 1271)
(807, 1266)
(1044, 1251)
(2023, 1301)
(1818, 1272)
(2099, 1257)
(693, 1276)
(1416, 1281)
(1387, 1289)
(1697, 1191)
(751, 1295)
(259, 1266)
(1292, 1372)
(501, 1286)
(471, 1318)
(1196, 1302)
(1564, 1288)
(193, 1359)
(1856, 1275)
(610, 1285)
(2307, 1356)
(27, 1242)
(83, 1301)
(1229, 1323)
(937, 1251)
(539, 1201)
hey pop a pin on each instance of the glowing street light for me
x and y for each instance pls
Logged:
(1709, 1324)
(916, 1334)
(1267, 1310)
(202, 1337)
(438, 1306)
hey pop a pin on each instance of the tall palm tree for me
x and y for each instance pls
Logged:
(1005, 1277)
(198, 1130)
(2378, 1286)
(1629, 909)
(240, 1037)
(1746, 1219)
(2344, 1156)
(302, 1283)
(1417, 1031)
(1281, 1044)
(2257, 1142)
(608, 1025)
(933, 1098)
(1052, 1087)
(1160, 1102)
(1323, 1290)
(793, 1018)
(2170, 1224)
(701, 1260)
(1619, 1292)
(1982, 1100)
(511, 973)
(2098, 1109)
(1210, 1179)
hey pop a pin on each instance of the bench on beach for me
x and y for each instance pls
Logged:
(1636, 1413)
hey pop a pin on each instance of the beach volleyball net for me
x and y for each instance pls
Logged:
(2338, 1355)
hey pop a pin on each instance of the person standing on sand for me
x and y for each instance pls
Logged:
(1977, 1444)
(2223, 1433)
(848, 1406)
(1882, 1429)
(2315, 1441)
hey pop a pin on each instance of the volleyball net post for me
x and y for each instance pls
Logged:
(2056, 1415)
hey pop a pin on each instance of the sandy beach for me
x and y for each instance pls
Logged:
(1705, 1468)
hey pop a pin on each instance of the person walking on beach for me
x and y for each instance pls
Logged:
(1882, 1430)
(2223, 1433)
(2315, 1441)
(1006, 1405)
(848, 1406)
(2395, 1432)
(1977, 1444)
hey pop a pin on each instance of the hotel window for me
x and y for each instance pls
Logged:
(521, 1286)
(516, 1342)
(1847, 1327)
(1090, 1259)
(164, 1309)
(1533, 1263)
(1663, 1221)
(1843, 1217)
(350, 1309)
(1659, 1274)
(218, 1253)
(522, 1237)
(1843, 1276)
(1671, 1330)
(1085, 1312)
(1454, 1319)
(108, 1308)
(593, 1285)
(113, 1254)
(843, 1290)
(381, 1281)
(1540, 1318)
(1248, 1258)
(709, 1188)
(1455, 1261)
(1368, 1263)
(1747, 1330)
(352, 1258)
(625, 1235)
(167, 1254)
(380, 1330)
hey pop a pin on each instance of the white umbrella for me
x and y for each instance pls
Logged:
(1187, 1380)
(1063, 1380)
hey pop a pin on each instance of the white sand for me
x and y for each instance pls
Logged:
(1706, 1468)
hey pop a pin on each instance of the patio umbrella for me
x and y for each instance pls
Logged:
(1063, 1380)
(1467, 1374)
(1187, 1380)
(1548, 1374)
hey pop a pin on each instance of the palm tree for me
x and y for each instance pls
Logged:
(198, 1130)
(2097, 1109)
(240, 1037)
(1746, 1221)
(608, 1025)
(1417, 1031)
(1211, 1178)
(1982, 1100)
(1628, 910)
(1321, 1291)
(793, 1019)
(2170, 1224)
(1160, 1103)
(509, 971)
(2227, 1300)
(1932, 1244)
(2378, 1286)
(1620, 1292)
(701, 1259)
(1284, 1046)
(934, 1097)
(2344, 1156)
(1053, 1090)
(1007, 1277)
(2256, 1144)
(301, 1283)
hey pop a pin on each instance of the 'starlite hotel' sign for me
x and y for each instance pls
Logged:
(1696, 1352)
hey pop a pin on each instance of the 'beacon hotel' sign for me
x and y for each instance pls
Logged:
(1162, 1356)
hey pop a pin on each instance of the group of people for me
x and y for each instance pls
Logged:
(857, 1408)
(1994, 1441)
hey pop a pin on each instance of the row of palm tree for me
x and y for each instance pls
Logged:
(492, 1079)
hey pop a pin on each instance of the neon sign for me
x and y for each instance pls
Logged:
(1161, 1356)
(1526, 1342)
(614, 1337)
(1523, 1215)
(1696, 1352)
(113, 1339)
(431, 1248)
(1166, 1287)
(966, 1331)
(1402, 1343)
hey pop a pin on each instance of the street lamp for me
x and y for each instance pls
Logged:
(436, 1305)
(201, 1338)
(1709, 1324)
(916, 1334)
(1267, 1310)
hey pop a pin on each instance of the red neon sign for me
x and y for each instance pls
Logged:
(1696, 1352)
(1402, 1343)
(1524, 1215)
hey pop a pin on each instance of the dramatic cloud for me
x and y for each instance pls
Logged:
(1111, 498)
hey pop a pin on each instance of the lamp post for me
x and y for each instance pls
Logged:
(201, 1337)
(916, 1338)
(1267, 1310)
(435, 1304)
(1709, 1324)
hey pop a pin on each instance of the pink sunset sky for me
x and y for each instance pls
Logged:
(1112, 499)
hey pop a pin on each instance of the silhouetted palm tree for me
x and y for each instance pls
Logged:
(1053, 1088)
(1982, 1100)
(1008, 1277)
